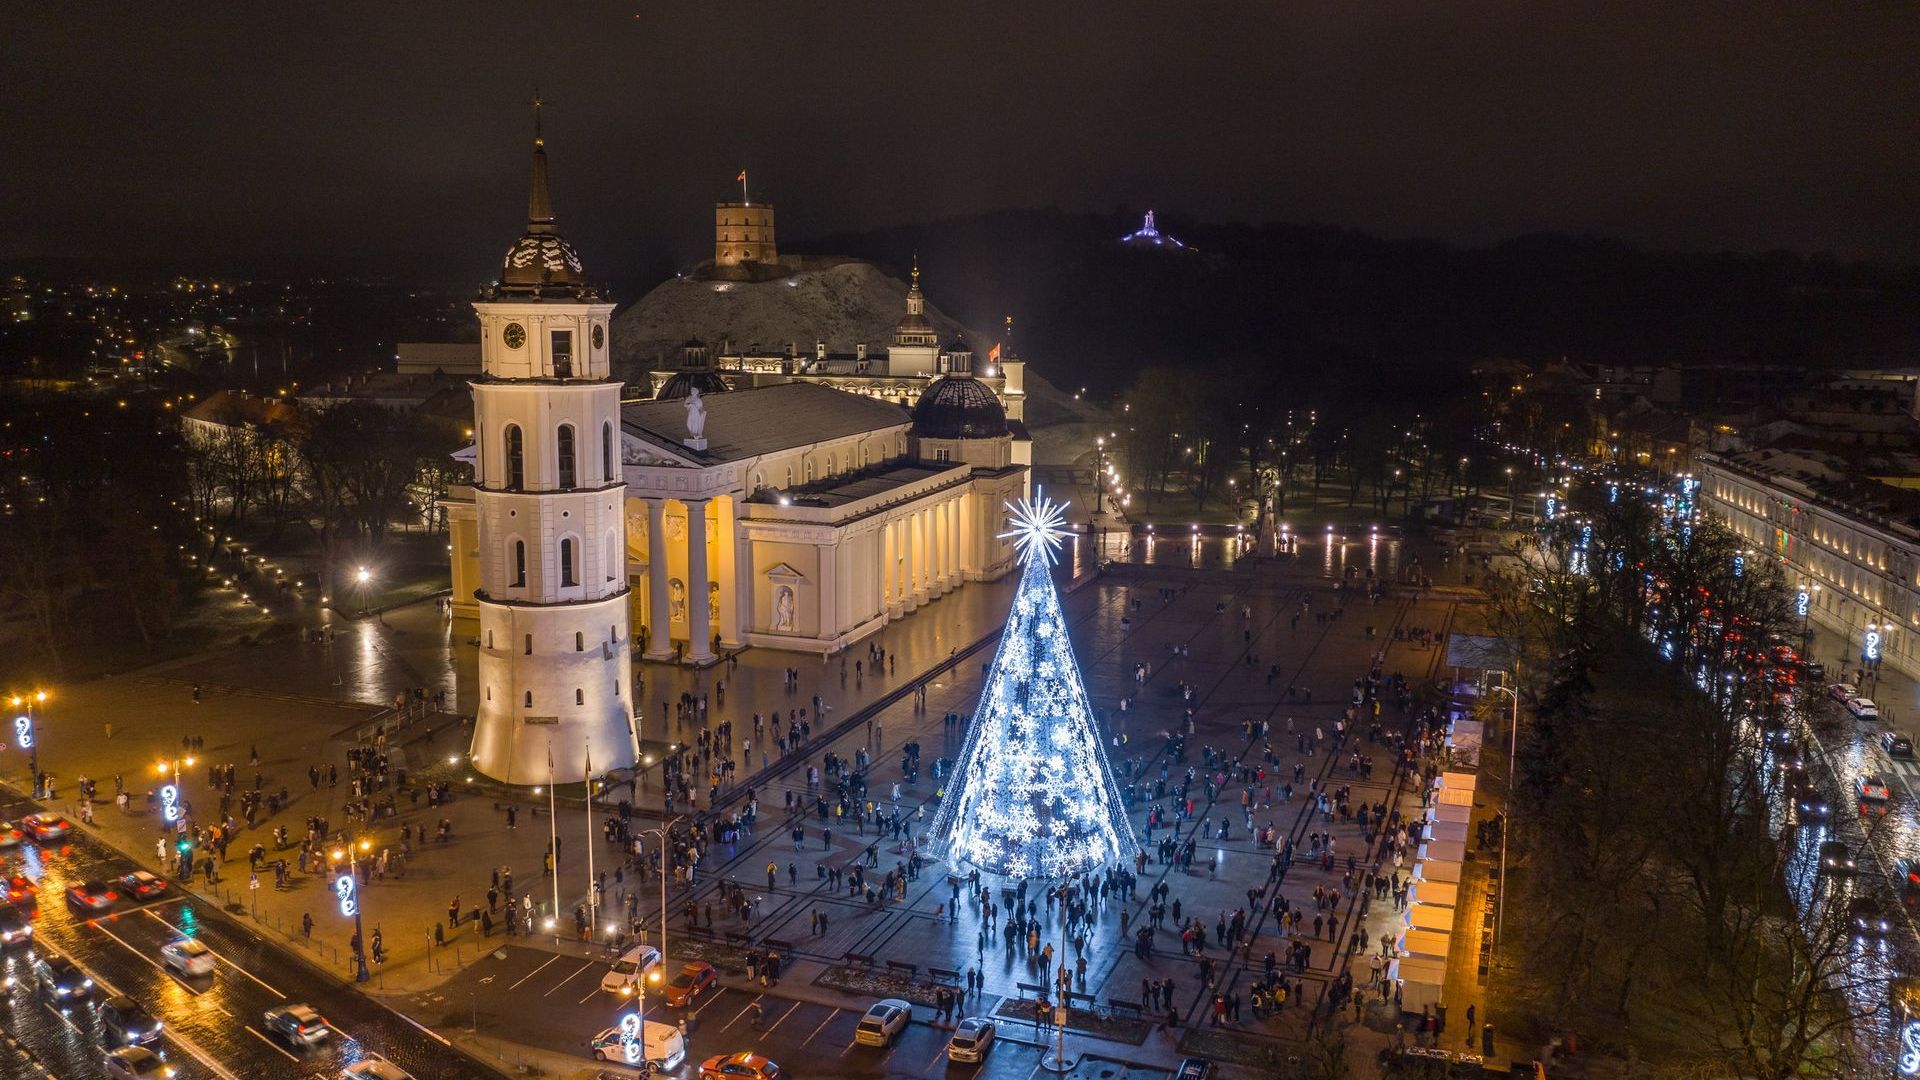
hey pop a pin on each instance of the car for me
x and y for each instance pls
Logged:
(971, 1040)
(60, 978)
(663, 1044)
(92, 896)
(1843, 692)
(15, 927)
(884, 1020)
(1868, 917)
(1896, 744)
(298, 1024)
(374, 1067)
(1194, 1069)
(1836, 859)
(46, 826)
(1863, 708)
(125, 1023)
(10, 834)
(1814, 670)
(743, 1066)
(1910, 883)
(188, 956)
(1873, 793)
(136, 1063)
(1811, 804)
(694, 979)
(632, 966)
(143, 885)
(22, 891)
(1788, 757)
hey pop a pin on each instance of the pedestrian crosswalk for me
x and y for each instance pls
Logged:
(1908, 769)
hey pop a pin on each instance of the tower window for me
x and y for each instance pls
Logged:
(516, 459)
(519, 564)
(563, 354)
(529, 644)
(568, 473)
(529, 699)
(940, 454)
(579, 641)
(566, 562)
(489, 639)
(606, 452)
(579, 696)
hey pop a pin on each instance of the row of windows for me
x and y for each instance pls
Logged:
(569, 562)
(579, 695)
(835, 464)
(579, 640)
(514, 445)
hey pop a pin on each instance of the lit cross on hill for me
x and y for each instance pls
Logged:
(1038, 527)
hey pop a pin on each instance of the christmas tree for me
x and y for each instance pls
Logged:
(1033, 790)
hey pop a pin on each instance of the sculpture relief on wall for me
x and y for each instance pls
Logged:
(677, 599)
(713, 603)
(783, 608)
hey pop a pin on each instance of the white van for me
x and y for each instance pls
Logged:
(664, 1044)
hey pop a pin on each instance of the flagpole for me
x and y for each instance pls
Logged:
(593, 905)
(553, 838)
(743, 189)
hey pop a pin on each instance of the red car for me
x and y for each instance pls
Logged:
(141, 885)
(44, 827)
(22, 891)
(10, 834)
(739, 1067)
(92, 896)
(694, 979)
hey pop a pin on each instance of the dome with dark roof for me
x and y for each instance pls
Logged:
(542, 260)
(705, 380)
(959, 407)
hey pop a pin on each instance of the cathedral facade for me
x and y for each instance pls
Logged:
(599, 533)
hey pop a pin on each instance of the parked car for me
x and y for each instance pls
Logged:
(374, 1067)
(661, 1043)
(632, 966)
(298, 1024)
(1863, 708)
(694, 979)
(1896, 744)
(188, 956)
(1869, 917)
(742, 1066)
(1836, 859)
(137, 1063)
(971, 1040)
(884, 1020)
(1843, 692)
(142, 885)
(1814, 670)
(125, 1023)
(92, 896)
(45, 826)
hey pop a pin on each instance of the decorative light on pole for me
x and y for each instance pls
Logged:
(24, 735)
(347, 888)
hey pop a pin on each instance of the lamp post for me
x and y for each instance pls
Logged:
(25, 735)
(640, 990)
(361, 580)
(1099, 470)
(170, 803)
(347, 887)
(1513, 747)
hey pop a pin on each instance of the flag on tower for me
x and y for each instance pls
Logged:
(993, 354)
(742, 178)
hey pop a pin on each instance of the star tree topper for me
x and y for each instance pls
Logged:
(1038, 526)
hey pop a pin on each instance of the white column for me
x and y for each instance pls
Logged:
(699, 621)
(743, 579)
(727, 574)
(829, 592)
(957, 575)
(886, 567)
(917, 555)
(659, 615)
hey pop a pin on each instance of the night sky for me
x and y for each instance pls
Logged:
(391, 139)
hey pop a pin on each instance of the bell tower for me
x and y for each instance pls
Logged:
(549, 494)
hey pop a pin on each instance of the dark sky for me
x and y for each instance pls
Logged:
(391, 138)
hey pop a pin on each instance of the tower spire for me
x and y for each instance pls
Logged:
(539, 202)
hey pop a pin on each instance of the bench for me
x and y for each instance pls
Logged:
(858, 958)
(1118, 1004)
(776, 943)
(1030, 988)
(942, 974)
(902, 965)
(738, 938)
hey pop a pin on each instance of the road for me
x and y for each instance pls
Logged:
(212, 1026)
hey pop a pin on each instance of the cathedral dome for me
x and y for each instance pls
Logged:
(959, 407)
(705, 380)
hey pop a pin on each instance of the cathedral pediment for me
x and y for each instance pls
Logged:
(635, 452)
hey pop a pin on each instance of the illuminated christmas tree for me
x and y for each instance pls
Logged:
(1033, 792)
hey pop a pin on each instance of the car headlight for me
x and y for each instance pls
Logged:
(86, 982)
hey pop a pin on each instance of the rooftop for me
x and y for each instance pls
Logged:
(747, 424)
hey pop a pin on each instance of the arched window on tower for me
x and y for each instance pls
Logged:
(568, 473)
(519, 564)
(516, 459)
(567, 576)
(606, 452)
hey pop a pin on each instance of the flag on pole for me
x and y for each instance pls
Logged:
(742, 178)
(993, 354)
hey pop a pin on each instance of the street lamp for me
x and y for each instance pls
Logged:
(640, 989)
(24, 735)
(361, 579)
(1099, 470)
(170, 810)
(347, 888)
(1513, 747)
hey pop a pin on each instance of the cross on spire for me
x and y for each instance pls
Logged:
(537, 102)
